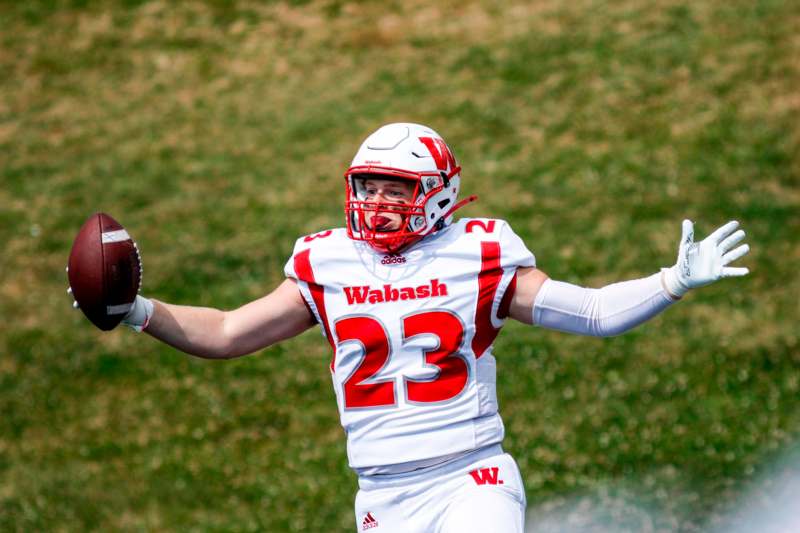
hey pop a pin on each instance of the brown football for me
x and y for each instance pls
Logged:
(105, 272)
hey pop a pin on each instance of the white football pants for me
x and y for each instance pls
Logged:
(480, 492)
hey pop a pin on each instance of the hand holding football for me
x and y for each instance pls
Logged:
(105, 271)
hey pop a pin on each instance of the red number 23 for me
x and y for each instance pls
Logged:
(370, 333)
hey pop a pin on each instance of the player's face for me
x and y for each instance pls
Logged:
(383, 191)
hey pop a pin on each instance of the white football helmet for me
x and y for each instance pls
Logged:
(403, 151)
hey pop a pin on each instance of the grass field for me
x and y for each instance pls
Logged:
(218, 132)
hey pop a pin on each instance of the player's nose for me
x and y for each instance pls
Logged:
(381, 199)
(381, 195)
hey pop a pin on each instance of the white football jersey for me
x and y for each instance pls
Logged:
(412, 336)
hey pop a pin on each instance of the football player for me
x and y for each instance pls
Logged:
(411, 301)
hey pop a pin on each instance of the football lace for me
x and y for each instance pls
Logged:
(141, 269)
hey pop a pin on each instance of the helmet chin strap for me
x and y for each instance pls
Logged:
(453, 209)
(459, 205)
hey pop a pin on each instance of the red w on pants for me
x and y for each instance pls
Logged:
(483, 476)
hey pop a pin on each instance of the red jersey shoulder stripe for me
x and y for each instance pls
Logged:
(488, 282)
(305, 272)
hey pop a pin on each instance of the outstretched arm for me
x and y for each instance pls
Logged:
(616, 308)
(214, 334)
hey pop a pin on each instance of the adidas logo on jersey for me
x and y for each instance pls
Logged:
(393, 259)
(369, 522)
(364, 294)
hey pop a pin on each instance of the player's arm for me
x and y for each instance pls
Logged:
(616, 308)
(215, 334)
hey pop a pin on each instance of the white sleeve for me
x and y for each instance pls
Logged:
(605, 312)
(289, 267)
(514, 252)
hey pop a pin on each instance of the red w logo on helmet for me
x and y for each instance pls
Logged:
(441, 153)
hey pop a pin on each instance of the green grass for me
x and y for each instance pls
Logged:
(218, 132)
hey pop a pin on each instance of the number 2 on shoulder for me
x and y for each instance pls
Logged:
(486, 225)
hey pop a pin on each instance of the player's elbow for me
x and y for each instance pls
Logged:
(235, 339)
(611, 332)
(612, 327)
(600, 329)
(212, 351)
(226, 352)
(225, 345)
(233, 350)
(593, 327)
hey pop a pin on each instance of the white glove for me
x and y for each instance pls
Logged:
(137, 318)
(704, 262)
(141, 310)
(139, 315)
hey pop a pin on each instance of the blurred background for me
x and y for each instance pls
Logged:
(218, 132)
